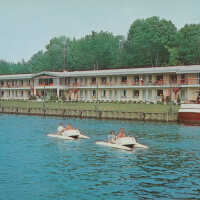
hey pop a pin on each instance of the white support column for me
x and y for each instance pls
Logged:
(58, 91)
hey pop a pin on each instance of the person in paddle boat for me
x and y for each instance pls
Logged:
(60, 129)
(68, 127)
(111, 136)
(121, 134)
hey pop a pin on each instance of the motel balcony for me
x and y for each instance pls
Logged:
(15, 86)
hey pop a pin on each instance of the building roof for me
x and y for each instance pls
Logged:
(15, 76)
(109, 72)
(150, 70)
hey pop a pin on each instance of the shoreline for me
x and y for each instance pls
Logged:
(97, 114)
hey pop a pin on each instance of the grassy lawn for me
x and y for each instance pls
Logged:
(130, 107)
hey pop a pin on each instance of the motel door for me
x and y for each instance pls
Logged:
(182, 94)
(144, 95)
(150, 95)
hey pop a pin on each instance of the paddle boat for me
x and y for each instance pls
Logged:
(68, 133)
(126, 143)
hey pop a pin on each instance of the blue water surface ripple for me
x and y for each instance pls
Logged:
(36, 167)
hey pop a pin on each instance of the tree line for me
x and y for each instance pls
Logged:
(149, 42)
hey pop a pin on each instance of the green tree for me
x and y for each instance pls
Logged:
(58, 53)
(189, 44)
(39, 62)
(96, 51)
(147, 41)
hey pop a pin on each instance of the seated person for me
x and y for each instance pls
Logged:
(121, 133)
(60, 128)
(111, 136)
(69, 127)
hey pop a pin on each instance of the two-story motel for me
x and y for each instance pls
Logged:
(137, 85)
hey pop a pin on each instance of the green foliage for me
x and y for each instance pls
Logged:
(189, 44)
(96, 51)
(146, 42)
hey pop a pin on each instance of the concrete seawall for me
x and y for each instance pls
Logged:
(142, 116)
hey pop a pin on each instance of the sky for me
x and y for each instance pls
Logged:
(28, 25)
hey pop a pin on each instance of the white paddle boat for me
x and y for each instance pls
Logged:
(68, 134)
(126, 143)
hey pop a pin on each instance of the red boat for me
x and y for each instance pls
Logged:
(189, 114)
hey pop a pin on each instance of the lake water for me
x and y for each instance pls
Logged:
(36, 167)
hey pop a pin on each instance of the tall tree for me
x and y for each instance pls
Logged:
(96, 50)
(189, 44)
(40, 61)
(148, 40)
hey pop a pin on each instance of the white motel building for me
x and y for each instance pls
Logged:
(153, 84)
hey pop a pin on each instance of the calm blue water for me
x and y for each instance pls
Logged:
(36, 167)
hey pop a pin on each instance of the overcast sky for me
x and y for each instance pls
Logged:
(28, 25)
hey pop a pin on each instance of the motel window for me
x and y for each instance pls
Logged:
(115, 93)
(22, 93)
(28, 82)
(86, 93)
(2, 93)
(13, 83)
(124, 79)
(182, 76)
(159, 77)
(65, 81)
(173, 78)
(198, 78)
(124, 93)
(159, 93)
(150, 78)
(68, 81)
(182, 94)
(110, 79)
(150, 94)
(136, 93)
(81, 93)
(93, 93)
(110, 93)
(143, 77)
(21, 82)
(2, 83)
(103, 80)
(29, 93)
(93, 80)
(103, 93)
(81, 80)
(136, 78)
(85, 81)
(9, 93)
(115, 79)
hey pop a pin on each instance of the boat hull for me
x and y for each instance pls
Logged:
(64, 137)
(60, 136)
(118, 146)
(189, 117)
(189, 114)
